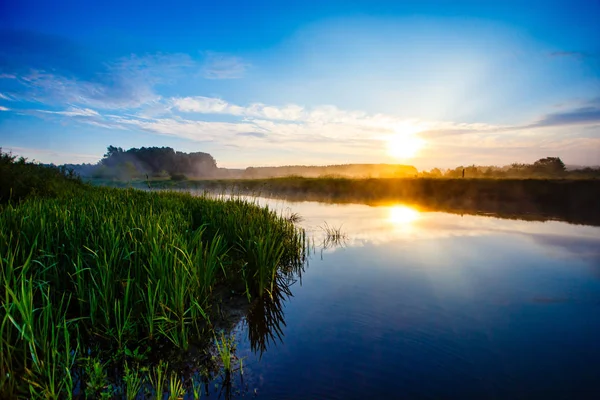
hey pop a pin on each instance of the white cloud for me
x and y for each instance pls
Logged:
(206, 105)
(223, 66)
(193, 130)
(4, 109)
(325, 118)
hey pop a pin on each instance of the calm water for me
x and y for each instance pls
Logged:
(433, 305)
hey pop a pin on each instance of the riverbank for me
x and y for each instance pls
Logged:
(573, 201)
(100, 284)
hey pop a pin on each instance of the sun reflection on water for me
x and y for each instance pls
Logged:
(401, 215)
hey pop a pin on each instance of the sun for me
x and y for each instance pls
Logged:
(404, 145)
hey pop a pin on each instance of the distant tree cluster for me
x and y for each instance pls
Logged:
(157, 162)
(548, 167)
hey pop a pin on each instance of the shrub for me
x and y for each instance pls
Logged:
(20, 179)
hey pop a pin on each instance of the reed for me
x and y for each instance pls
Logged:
(158, 379)
(176, 389)
(225, 350)
(334, 236)
(100, 268)
(133, 382)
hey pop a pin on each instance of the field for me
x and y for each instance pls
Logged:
(100, 285)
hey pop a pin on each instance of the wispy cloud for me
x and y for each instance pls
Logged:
(73, 112)
(4, 109)
(587, 113)
(127, 83)
(124, 84)
(120, 93)
(223, 66)
(259, 135)
(188, 129)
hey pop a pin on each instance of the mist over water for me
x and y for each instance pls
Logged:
(430, 305)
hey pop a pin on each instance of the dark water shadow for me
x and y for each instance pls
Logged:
(265, 319)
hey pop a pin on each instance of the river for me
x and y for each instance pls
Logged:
(413, 304)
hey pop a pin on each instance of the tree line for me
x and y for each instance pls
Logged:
(548, 167)
(166, 163)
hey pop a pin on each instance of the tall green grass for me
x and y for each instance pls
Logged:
(95, 272)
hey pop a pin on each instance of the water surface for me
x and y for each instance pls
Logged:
(431, 305)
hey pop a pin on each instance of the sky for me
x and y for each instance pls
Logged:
(259, 83)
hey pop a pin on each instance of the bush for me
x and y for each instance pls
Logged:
(20, 179)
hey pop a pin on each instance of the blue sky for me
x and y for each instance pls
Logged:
(312, 82)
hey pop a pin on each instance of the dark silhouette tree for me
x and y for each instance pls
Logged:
(157, 161)
(549, 166)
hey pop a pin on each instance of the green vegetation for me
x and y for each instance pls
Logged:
(19, 179)
(225, 348)
(98, 284)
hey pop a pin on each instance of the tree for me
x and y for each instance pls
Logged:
(157, 161)
(435, 172)
(112, 150)
(551, 166)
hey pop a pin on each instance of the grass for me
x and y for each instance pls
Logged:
(225, 349)
(334, 237)
(90, 273)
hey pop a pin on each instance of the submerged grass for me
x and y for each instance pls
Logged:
(225, 350)
(85, 278)
(334, 236)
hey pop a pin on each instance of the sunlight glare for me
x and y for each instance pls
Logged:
(405, 143)
(403, 215)
(404, 146)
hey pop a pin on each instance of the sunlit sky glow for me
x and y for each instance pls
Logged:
(429, 83)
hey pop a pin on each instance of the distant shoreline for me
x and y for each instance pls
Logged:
(570, 200)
